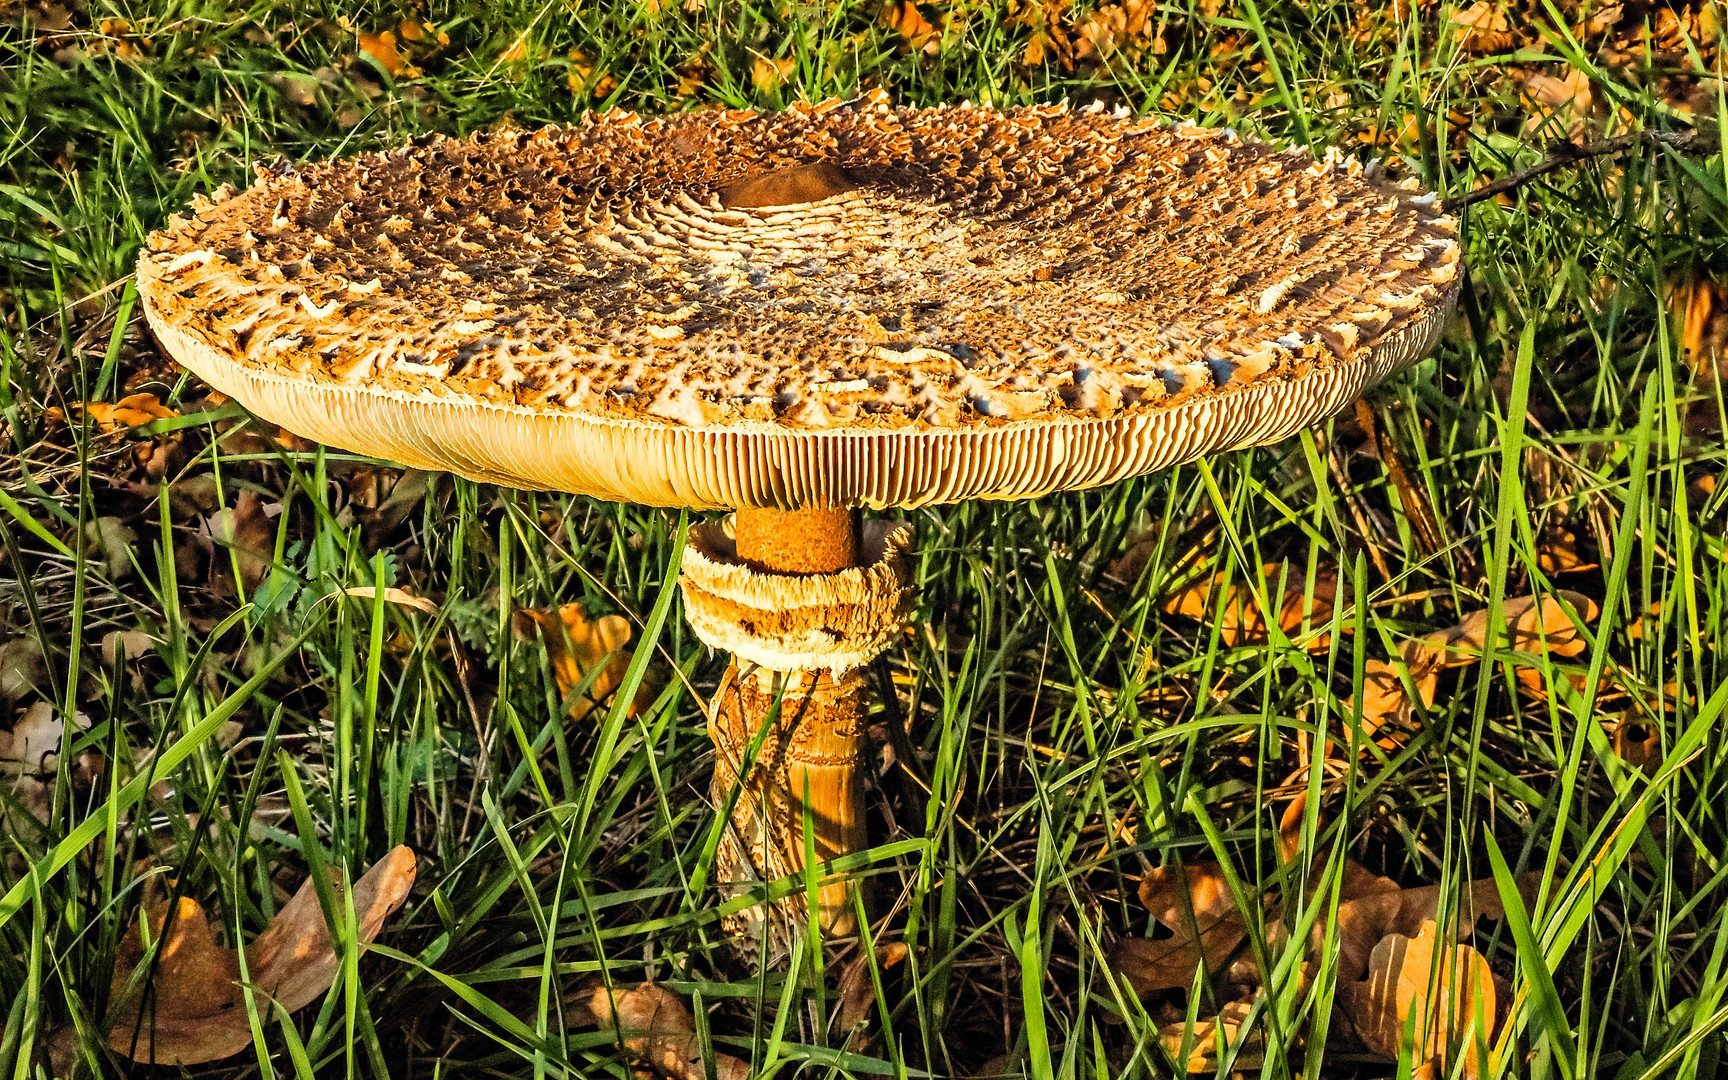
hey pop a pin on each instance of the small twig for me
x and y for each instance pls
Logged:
(1570, 154)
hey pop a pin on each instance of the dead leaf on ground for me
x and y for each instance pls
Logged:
(904, 18)
(30, 756)
(1637, 743)
(767, 75)
(1448, 988)
(135, 643)
(196, 1010)
(1212, 1034)
(393, 595)
(1482, 28)
(1532, 627)
(132, 411)
(576, 645)
(857, 991)
(22, 667)
(247, 532)
(382, 48)
(1242, 621)
(656, 1027)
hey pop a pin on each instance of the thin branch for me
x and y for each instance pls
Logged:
(1570, 154)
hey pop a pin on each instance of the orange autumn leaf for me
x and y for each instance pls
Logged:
(1482, 28)
(195, 1010)
(1532, 626)
(656, 1027)
(904, 18)
(576, 646)
(767, 75)
(132, 411)
(1242, 621)
(1445, 989)
(382, 48)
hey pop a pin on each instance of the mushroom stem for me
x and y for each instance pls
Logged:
(808, 761)
(809, 757)
(818, 540)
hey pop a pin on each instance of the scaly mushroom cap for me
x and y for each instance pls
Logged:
(841, 304)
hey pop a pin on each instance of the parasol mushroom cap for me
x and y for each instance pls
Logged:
(843, 304)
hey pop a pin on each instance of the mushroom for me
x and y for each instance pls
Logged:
(794, 316)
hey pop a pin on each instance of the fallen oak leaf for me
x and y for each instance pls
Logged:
(1204, 1042)
(132, 411)
(1364, 921)
(656, 1027)
(857, 990)
(1446, 988)
(1532, 625)
(1150, 964)
(393, 595)
(196, 1010)
(576, 645)
(1242, 621)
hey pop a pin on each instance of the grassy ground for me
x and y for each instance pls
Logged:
(1081, 713)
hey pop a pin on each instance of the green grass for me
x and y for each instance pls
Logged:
(1070, 733)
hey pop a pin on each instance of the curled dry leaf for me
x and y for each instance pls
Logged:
(1212, 1035)
(575, 645)
(858, 991)
(656, 1027)
(29, 758)
(1637, 743)
(1532, 626)
(246, 531)
(1447, 988)
(904, 18)
(393, 595)
(195, 1008)
(134, 410)
(1242, 621)
(1482, 28)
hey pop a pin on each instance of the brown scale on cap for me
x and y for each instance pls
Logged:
(696, 289)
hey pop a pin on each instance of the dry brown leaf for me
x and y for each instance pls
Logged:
(382, 48)
(1203, 1044)
(1243, 622)
(1557, 106)
(575, 645)
(656, 1027)
(767, 75)
(247, 532)
(1117, 28)
(1482, 28)
(857, 991)
(1447, 1003)
(1557, 553)
(582, 80)
(1638, 744)
(1532, 625)
(1700, 307)
(393, 595)
(29, 758)
(134, 410)
(904, 18)
(196, 1010)
(22, 667)
(1364, 921)
(135, 642)
(1151, 964)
